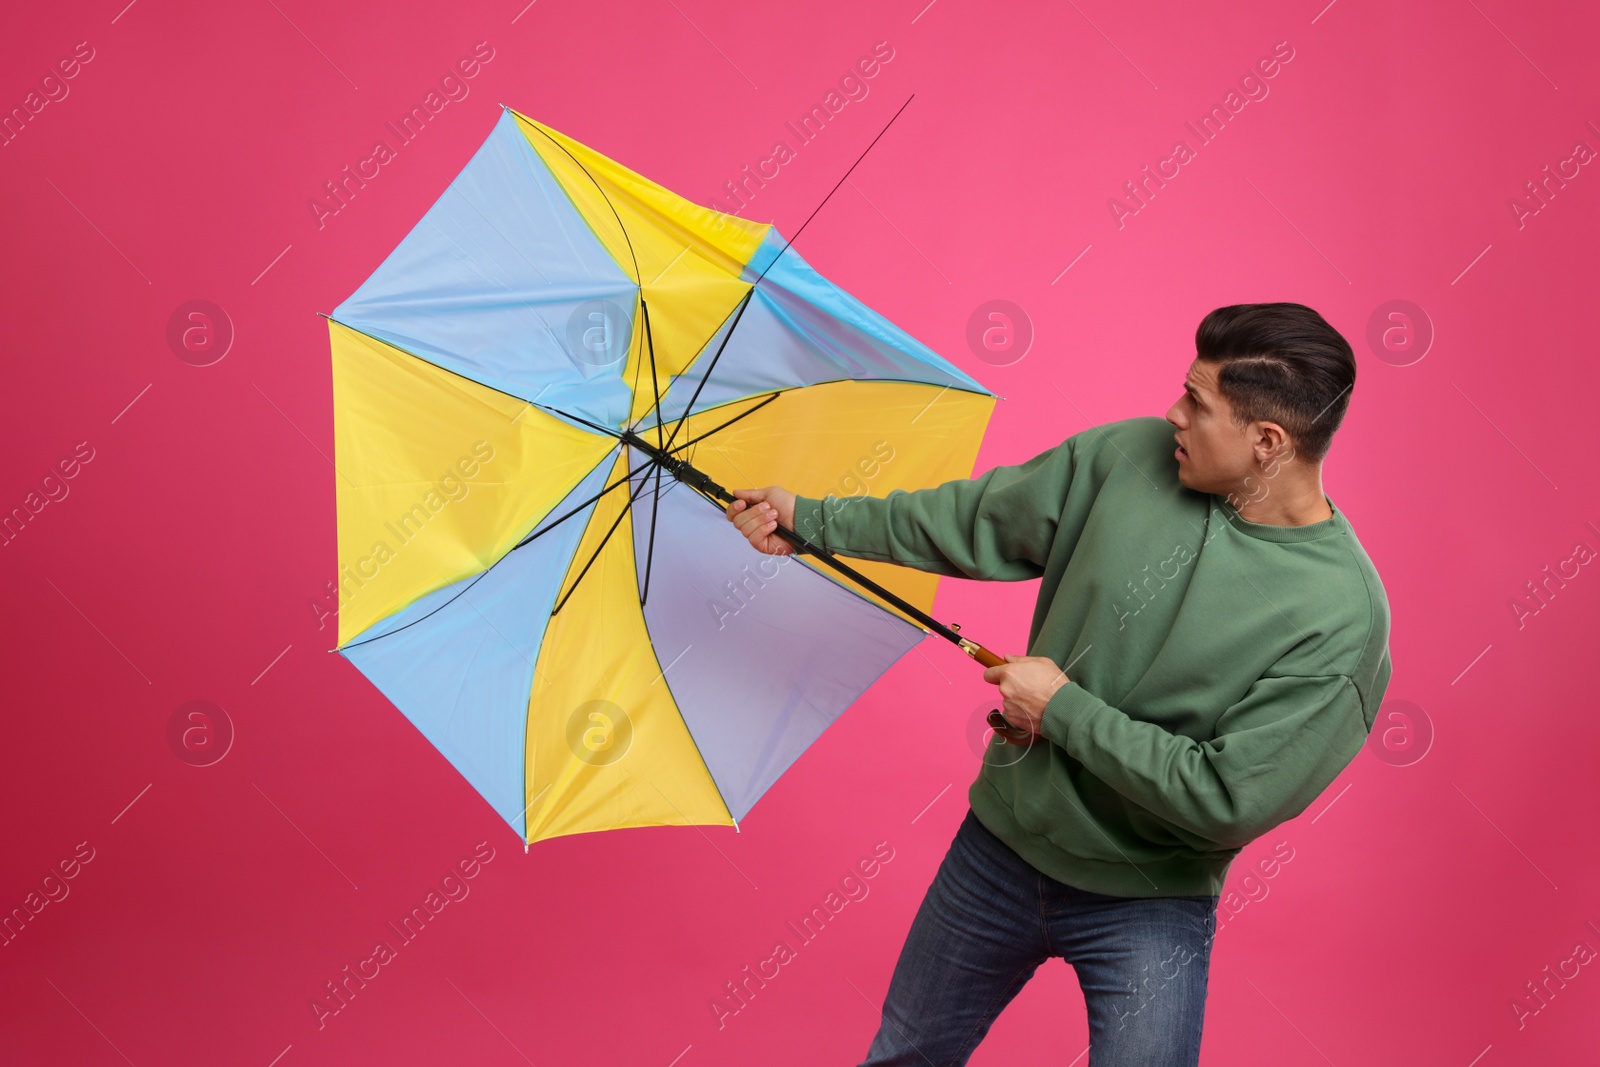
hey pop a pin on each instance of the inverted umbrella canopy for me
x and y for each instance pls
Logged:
(531, 395)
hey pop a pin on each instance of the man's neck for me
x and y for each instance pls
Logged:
(1292, 498)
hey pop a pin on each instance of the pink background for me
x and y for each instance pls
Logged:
(189, 552)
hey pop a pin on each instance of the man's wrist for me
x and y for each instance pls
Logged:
(809, 519)
(1066, 706)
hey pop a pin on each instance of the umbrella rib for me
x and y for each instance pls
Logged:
(638, 275)
(496, 563)
(608, 431)
(413, 622)
(720, 325)
(638, 278)
(484, 385)
(744, 302)
(655, 385)
(650, 553)
(579, 507)
(790, 243)
(598, 548)
(640, 365)
(730, 422)
(786, 246)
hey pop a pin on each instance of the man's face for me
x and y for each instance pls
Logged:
(1214, 454)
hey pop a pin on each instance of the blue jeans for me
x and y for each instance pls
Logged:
(990, 919)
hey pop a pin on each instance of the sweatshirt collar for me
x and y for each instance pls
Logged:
(1284, 534)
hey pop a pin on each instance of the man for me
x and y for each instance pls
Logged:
(1208, 652)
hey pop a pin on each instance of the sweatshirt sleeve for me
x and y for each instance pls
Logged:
(1274, 752)
(997, 527)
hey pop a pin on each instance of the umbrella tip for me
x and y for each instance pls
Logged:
(326, 316)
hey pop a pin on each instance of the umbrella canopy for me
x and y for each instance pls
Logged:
(524, 573)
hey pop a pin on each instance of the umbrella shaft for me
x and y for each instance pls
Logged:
(697, 479)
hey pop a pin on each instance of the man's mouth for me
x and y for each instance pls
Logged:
(1181, 453)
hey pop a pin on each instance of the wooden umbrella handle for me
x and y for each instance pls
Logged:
(987, 657)
(1015, 735)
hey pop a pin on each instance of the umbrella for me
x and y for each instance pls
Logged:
(538, 397)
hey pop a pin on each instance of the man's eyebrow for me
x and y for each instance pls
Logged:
(1189, 388)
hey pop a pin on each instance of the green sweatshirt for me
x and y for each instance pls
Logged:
(1223, 672)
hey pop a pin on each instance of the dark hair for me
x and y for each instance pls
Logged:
(1282, 363)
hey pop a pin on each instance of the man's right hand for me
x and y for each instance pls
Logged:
(758, 512)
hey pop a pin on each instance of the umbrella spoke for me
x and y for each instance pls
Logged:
(730, 422)
(518, 545)
(655, 385)
(744, 302)
(608, 431)
(579, 507)
(413, 622)
(787, 245)
(790, 243)
(650, 553)
(657, 409)
(601, 546)
(637, 278)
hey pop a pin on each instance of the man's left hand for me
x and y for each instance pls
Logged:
(1026, 685)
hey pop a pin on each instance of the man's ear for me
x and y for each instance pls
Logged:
(1270, 442)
